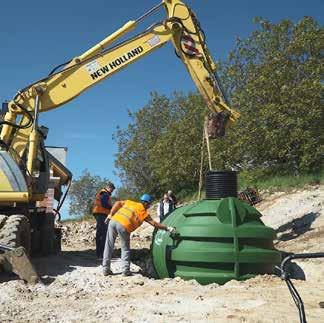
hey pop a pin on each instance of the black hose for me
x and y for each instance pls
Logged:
(61, 201)
(298, 301)
(293, 291)
(27, 124)
(58, 66)
(4, 144)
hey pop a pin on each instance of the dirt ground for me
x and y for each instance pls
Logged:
(76, 291)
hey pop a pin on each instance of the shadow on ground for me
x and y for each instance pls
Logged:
(50, 267)
(54, 265)
(6, 277)
(65, 261)
(296, 227)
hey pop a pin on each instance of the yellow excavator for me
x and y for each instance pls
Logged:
(28, 171)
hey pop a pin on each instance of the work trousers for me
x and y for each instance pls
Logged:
(114, 229)
(101, 232)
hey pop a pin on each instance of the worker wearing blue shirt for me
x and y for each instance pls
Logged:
(102, 208)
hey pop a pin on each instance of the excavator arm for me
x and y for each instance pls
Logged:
(66, 82)
(181, 27)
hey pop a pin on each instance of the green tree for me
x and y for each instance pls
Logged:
(136, 142)
(123, 193)
(160, 149)
(274, 78)
(175, 156)
(83, 191)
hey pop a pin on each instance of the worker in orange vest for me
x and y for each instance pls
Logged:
(101, 209)
(125, 217)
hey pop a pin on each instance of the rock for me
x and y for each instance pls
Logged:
(139, 282)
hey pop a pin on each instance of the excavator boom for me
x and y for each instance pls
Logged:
(181, 27)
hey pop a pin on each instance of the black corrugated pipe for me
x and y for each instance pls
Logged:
(220, 184)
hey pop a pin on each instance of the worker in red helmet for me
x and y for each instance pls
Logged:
(125, 217)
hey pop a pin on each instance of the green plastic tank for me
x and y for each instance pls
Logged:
(219, 239)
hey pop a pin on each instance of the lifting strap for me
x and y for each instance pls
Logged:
(205, 137)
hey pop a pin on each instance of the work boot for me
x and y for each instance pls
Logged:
(106, 271)
(127, 273)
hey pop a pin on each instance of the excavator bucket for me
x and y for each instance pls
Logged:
(18, 262)
(216, 123)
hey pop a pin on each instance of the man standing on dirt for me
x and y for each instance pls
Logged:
(173, 198)
(125, 217)
(101, 209)
(164, 207)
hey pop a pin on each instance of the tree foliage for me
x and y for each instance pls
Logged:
(83, 192)
(160, 149)
(274, 78)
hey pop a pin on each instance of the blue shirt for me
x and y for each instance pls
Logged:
(105, 200)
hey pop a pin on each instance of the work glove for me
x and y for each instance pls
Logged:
(172, 230)
(107, 219)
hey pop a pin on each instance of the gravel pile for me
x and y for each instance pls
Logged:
(74, 232)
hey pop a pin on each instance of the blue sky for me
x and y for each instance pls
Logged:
(36, 36)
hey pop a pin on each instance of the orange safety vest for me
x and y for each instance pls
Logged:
(98, 208)
(131, 215)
